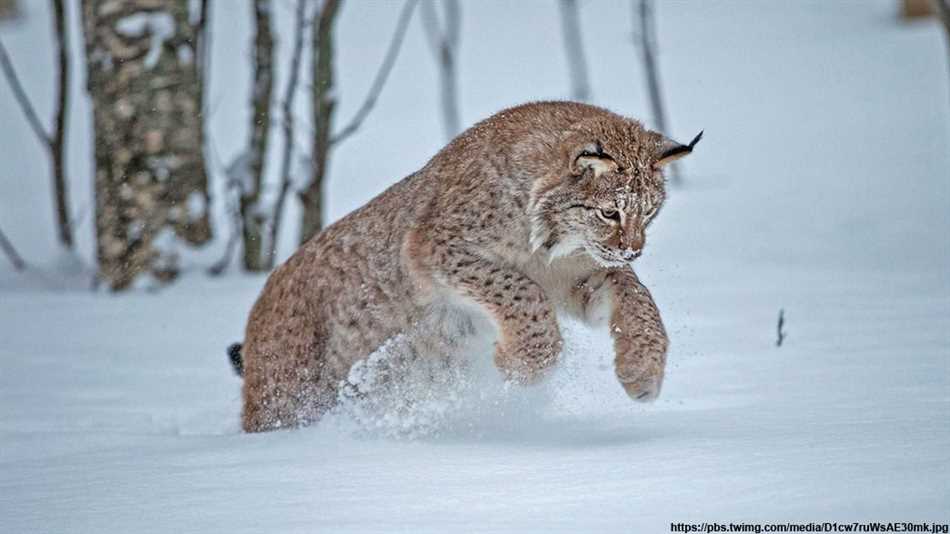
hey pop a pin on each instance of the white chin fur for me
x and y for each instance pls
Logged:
(604, 262)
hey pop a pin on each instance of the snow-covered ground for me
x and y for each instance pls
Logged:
(822, 187)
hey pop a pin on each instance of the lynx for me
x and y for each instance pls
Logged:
(538, 210)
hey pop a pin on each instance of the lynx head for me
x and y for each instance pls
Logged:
(602, 189)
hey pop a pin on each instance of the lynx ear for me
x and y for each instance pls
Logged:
(592, 157)
(671, 150)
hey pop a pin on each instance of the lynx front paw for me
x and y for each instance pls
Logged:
(640, 370)
(645, 389)
(525, 361)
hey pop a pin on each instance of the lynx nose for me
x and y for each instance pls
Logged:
(633, 241)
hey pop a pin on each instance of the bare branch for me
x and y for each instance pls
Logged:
(287, 110)
(11, 252)
(574, 47)
(381, 74)
(31, 117)
(57, 141)
(444, 46)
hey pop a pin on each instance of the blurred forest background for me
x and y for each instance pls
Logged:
(170, 194)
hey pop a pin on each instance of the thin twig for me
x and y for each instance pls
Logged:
(10, 74)
(781, 328)
(381, 75)
(287, 110)
(574, 47)
(11, 252)
(57, 139)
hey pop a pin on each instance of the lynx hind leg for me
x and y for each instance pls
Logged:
(284, 386)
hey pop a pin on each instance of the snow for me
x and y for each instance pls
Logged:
(820, 187)
(159, 26)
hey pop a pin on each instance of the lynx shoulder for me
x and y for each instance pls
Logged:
(538, 210)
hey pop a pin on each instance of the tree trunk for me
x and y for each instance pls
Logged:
(324, 103)
(150, 182)
(253, 216)
(287, 111)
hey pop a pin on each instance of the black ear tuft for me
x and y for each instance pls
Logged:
(695, 140)
(671, 150)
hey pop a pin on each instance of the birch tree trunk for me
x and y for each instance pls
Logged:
(324, 103)
(253, 217)
(150, 181)
(288, 127)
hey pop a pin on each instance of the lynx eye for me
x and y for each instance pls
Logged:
(609, 215)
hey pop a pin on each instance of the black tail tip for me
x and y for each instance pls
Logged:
(237, 361)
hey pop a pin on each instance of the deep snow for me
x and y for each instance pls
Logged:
(821, 187)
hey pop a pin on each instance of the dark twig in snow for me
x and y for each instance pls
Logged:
(780, 330)
(377, 86)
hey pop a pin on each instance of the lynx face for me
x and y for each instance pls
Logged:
(609, 188)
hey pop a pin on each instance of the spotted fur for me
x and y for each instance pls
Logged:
(537, 210)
